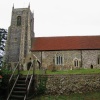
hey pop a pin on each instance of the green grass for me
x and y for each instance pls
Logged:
(75, 71)
(85, 96)
(31, 72)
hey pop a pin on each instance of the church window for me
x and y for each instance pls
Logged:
(58, 59)
(76, 63)
(18, 20)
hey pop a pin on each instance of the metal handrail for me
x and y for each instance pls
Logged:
(28, 72)
(17, 66)
(25, 97)
(29, 85)
(30, 81)
(14, 72)
(12, 88)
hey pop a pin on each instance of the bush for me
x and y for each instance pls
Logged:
(4, 84)
(41, 88)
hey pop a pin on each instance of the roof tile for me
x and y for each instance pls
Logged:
(65, 43)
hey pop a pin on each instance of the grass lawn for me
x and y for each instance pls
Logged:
(85, 96)
(75, 71)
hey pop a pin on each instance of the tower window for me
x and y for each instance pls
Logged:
(15, 39)
(18, 20)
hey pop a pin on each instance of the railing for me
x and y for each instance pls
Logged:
(28, 87)
(14, 73)
(30, 81)
(29, 72)
(16, 68)
(13, 87)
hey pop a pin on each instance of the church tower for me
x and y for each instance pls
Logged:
(20, 34)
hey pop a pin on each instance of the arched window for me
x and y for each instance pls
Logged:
(76, 63)
(18, 20)
(59, 59)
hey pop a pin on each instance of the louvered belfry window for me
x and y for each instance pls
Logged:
(18, 20)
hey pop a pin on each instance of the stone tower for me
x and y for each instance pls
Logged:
(20, 34)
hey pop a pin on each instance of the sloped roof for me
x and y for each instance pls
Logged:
(65, 43)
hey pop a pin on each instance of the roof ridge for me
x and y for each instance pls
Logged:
(68, 36)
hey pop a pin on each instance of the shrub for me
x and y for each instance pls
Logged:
(41, 88)
(4, 84)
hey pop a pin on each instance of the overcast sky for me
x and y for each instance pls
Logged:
(57, 17)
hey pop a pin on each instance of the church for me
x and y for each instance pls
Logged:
(61, 53)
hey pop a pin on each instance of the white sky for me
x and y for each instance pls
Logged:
(57, 17)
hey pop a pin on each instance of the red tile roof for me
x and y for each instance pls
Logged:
(65, 43)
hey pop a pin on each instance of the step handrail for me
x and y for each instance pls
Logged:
(28, 72)
(12, 87)
(30, 81)
(29, 85)
(9, 91)
(17, 66)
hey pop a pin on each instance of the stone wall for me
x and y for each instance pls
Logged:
(90, 57)
(66, 84)
(85, 59)
(49, 59)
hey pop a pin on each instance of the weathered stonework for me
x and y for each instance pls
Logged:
(20, 32)
(66, 84)
(90, 57)
(85, 58)
(20, 41)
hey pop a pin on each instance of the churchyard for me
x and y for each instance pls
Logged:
(75, 71)
(57, 78)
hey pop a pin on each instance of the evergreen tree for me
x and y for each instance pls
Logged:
(3, 38)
